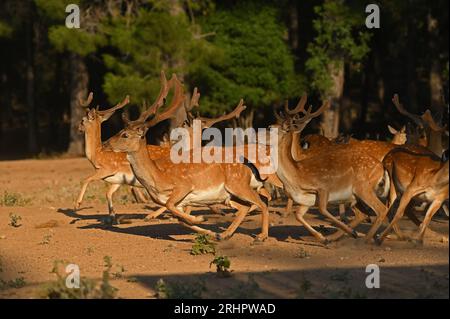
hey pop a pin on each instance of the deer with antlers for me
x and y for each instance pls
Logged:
(348, 174)
(111, 167)
(422, 176)
(176, 186)
(434, 132)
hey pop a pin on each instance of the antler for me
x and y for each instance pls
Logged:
(206, 122)
(194, 101)
(177, 100)
(299, 123)
(86, 103)
(164, 90)
(299, 108)
(428, 119)
(118, 106)
(416, 119)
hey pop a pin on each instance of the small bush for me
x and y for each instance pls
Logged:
(245, 290)
(46, 239)
(222, 266)
(16, 283)
(179, 290)
(12, 199)
(304, 288)
(89, 289)
(14, 220)
(203, 245)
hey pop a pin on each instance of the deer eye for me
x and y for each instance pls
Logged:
(124, 135)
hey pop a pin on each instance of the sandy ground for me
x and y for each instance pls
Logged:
(289, 265)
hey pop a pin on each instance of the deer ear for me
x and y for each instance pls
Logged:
(141, 130)
(403, 129)
(392, 130)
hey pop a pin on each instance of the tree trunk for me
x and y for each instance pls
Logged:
(435, 79)
(411, 77)
(30, 85)
(293, 25)
(330, 117)
(79, 78)
(176, 9)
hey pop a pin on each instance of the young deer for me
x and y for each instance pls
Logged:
(422, 176)
(185, 184)
(336, 175)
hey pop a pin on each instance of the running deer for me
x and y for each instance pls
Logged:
(177, 186)
(336, 175)
(421, 176)
(262, 152)
(436, 135)
(110, 166)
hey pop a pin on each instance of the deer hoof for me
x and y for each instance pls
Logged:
(378, 239)
(222, 236)
(417, 241)
(354, 234)
(260, 238)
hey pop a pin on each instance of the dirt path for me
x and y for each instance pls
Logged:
(289, 265)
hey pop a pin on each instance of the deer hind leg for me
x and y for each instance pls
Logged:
(242, 211)
(177, 196)
(244, 192)
(322, 197)
(98, 175)
(434, 207)
(289, 206)
(404, 201)
(367, 195)
(299, 215)
(359, 218)
(138, 195)
(109, 195)
(158, 212)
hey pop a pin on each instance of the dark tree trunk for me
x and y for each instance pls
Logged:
(330, 117)
(79, 79)
(30, 83)
(411, 62)
(435, 79)
(293, 25)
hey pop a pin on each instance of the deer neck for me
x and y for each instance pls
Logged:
(296, 151)
(434, 141)
(286, 162)
(144, 168)
(93, 142)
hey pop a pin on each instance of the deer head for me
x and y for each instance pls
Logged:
(132, 137)
(399, 135)
(94, 117)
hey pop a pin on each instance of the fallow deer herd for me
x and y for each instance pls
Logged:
(369, 176)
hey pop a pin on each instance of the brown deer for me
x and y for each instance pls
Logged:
(111, 167)
(400, 136)
(434, 138)
(421, 176)
(335, 175)
(177, 186)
